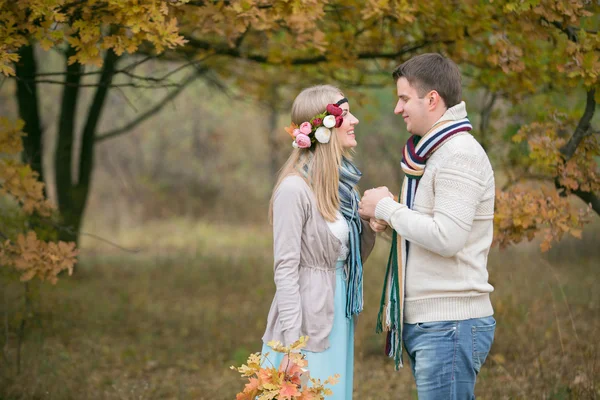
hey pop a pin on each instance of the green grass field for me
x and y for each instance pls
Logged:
(167, 322)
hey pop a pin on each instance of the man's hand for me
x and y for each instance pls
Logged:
(366, 207)
(378, 225)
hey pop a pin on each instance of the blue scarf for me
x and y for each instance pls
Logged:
(349, 177)
(349, 198)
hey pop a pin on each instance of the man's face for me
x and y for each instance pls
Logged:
(413, 109)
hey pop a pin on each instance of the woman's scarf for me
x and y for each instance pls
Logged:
(414, 158)
(349, 177)
(349, 198)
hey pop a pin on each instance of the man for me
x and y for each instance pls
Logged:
(437, 295)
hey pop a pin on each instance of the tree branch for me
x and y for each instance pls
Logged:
(589, 198)
(66, 127)
(86, 158)
(224, 50)
(151, 111)
(95, 85)
(582, 127)
(124, 71)
(29, 110)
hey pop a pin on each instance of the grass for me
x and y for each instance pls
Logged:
(167, 322)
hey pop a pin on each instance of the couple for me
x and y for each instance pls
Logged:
(435, 299)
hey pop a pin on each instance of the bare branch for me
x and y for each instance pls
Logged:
(152, 110)
(124, 71)
(116, 85)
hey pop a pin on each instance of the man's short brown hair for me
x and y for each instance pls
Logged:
(432, 71)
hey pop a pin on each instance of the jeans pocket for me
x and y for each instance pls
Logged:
(483, 336)
(438, 326)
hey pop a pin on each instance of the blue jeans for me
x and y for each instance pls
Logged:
(446, 356)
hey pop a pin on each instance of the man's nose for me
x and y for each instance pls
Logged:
(398, 109)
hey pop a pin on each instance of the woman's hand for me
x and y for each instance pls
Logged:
(378, 225)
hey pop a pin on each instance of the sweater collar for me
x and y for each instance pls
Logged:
(454, 113)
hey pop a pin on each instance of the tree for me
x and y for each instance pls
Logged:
(516, 51)
(85, 32)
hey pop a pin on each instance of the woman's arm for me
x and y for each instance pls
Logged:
(289, 213)
(367, 240)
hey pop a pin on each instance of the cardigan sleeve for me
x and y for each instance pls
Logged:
(289, 214)
(459, 186)
(367, 240)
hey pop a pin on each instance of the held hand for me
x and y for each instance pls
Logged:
(378, 225)
(367, 205)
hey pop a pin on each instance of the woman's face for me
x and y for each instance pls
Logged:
(345, 133)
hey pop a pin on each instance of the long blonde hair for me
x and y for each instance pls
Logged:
(323, 160)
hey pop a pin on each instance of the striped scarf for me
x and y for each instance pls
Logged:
(414, 158)
(349, 177)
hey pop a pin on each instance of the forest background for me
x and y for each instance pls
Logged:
(157, 127)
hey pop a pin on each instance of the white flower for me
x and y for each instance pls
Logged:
(323, 134)
(294, 144)
(329, 121)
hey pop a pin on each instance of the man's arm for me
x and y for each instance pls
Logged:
(458, 191)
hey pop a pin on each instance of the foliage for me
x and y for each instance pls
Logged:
(522, 211)
(82, 25)
(289, 382)
(28, 255)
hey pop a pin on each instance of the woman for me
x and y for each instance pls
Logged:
(320, 242)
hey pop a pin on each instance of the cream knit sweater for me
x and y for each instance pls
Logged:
(450, 231)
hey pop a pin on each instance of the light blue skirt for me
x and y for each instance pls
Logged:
(339, 357)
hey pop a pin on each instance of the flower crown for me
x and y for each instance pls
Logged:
(318, 128)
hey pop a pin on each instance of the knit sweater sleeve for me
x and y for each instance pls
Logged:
(289, 213)
(459, 185)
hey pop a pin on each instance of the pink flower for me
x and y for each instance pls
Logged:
(303, 141)
(306, 128)
(339, 120)
(296, 132)
(317, 121)
(334, 109)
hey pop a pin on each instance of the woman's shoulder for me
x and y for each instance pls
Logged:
(293, 190)
(294, 184)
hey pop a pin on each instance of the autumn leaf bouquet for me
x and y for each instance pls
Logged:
(288, 382)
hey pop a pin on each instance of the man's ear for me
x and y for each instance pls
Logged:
(434, 100)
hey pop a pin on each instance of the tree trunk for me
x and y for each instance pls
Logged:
(86, 157)
(27, 98)
(63, 155)
(72, 196)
